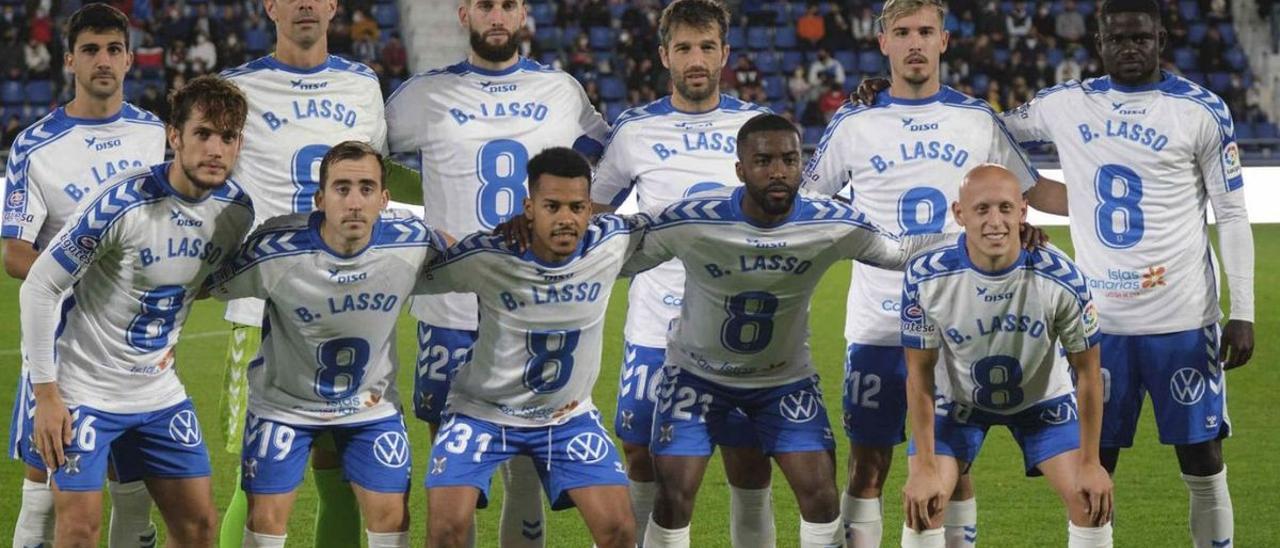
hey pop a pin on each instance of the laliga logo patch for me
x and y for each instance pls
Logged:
(184, 428)
(587, 447)
(1231, 159)
(798, 407)
(17, 198)
(391, 449)
(1090, 316)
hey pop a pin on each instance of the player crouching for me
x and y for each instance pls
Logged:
(995, 313)
(334, 281)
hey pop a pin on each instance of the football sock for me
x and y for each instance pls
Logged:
(130, 515)
(1088, 537)
(521, 524)
(751, 517)
(235, 519)
(863, 521)
(1211, 512)
(35, 518)
(262, 540)
(387, 540)
(960, 523)
(820, 535)
(337, 513)
(642, 494)
(656, 536)
(929, 538)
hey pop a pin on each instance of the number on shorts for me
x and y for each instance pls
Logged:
(501, 166)
(749, 327)
(149, 330)
(270, 435)
(999, 382)
(462, 434)
(85, 434)
(863, 389)
(1125, 204)
(482, 446)
(686, 398)
(438, 360)
(550, 360)
(342, 362)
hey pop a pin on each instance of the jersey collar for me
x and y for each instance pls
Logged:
(529, 256)
(964, 256)
(1165, 81)
(160, 172)
(521, 64)
(886, 99)
(61, 113)
(313, 228)
(735, 201)
(271, 62)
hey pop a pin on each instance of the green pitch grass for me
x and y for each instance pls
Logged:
(1151, 499)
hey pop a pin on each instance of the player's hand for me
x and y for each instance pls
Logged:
(923, 497)
(52, 425)
(867, 90)
(1093, 486)
(1032, 236)
(1237, 344)
(517, 231)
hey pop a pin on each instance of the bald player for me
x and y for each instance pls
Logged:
(994, 314)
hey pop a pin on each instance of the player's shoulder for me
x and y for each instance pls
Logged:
(1065, 89)
(268, 64)
(812, 208)
(278, 237)
(956, 99)
(712, 206)
(940, 260)
(851, 111)
(114, 199)
(352, 67)
(479, 243)
(132, 114)
(401, 228)
(1051, 263)
(48, 129)
(1209, 103)
(253, 66)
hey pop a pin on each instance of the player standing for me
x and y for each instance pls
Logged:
(1142, 151)
(903, 157)
(336, 279)
(543, 308)
(995, 314)
(104, 136)
(677, 146)
(474, 125)
(123, 273)
(753, 256)
(301, 101)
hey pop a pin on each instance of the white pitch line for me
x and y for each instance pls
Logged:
(185, 336)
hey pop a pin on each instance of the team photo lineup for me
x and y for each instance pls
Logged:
(701, 225)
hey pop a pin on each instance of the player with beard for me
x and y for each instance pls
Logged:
(105, 135)
(753, 256)
(474, 125)
(302, 101)
(1144, 153)
(103, 309)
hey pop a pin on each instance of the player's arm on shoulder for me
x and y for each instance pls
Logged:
(870, 245)
(457, 269)
(657, 243)
(1048, 195)
(19, 255)
(1218, 159)
(1028, 124)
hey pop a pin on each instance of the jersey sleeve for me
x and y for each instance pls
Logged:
(24, 205)
(457, 270)
(81, 241)
(1076, 320)
(613, 179)
(1005, 151)
(827, 173)
(379, 138)
(1028, 124)
(918, 331)
(869, 245)
(405, 119)
(245, 275)
(655, 246)
(1218, 159)
(594, 128)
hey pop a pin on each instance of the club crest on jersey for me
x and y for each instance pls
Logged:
(17, 198)
(497, 87)
(913, 313)
(307, 86)
(587, 448)
(1187, 386)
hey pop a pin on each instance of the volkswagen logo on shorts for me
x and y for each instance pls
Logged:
(798, 406)
(1186, 386)
(184, 428)
(391, 449)
(587, 447)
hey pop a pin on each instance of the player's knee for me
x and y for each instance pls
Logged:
(747, 468)
(74, 530)
(618, 532)
(868, 469)
(672, 508)
(1200, 459)
(387, 518)
(819, 503)
(446, 532)
(194, 528)
(639, 462)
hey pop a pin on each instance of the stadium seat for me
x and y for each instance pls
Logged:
(1189, 10)
(737, 38)
(758, 38)
(768, 63)
(387, 16)
(1055, 56)
(1219, 82)
(256, 41)
(600, 38)
(870, 62)
(1228, 32)
(791, 60)
(1236, 59)
(612, 88)
(1197, 77)
(779, 107)
(980, 83)
(547, 38)
(613, 110)
(1266, 130)
(1196, 32)
(847, 59)
(812, 134)
(40, 92)
(1244, 130)
(11, 92)
(775, 87)
(1185, 59)
(549, 58)
(1001, 56)
(544, 13)
(784, 38)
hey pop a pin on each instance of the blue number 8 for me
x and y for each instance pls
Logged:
(999, 382)
(149, 330)
(548, 369)
(909, 210)
(305, 162)
(501, 166)
(748, 329)
(342, 362)
(1126, 204)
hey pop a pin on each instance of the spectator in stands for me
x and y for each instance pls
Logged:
(1019, 93)
(592, 89)
(864, 28)
(40, 28)
(993, 97)
(839, 37)
(1218, 11)
(581, 60)
(1068, 69)
(155, 102)
(1069, 24)
(991, 23)
(365, 50)
(36, 56)
(744, 73)
(148, 56)
(231, 51)
(1253, 103)
(175, 63)
(1235, 95)
(1017, 24)
(824, 65)
(9, 18)
(810, 27)
(201, 23)
(1044, 74)
(798, 86)
(1212, 49)
(364, 27)
(202, 57)
(965, 27)
(1042, 21)
(12, 127)
(830, 100)
(11, 54)
(596, 14)
(395, 59)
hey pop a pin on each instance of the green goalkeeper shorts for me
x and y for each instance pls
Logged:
(241, 349)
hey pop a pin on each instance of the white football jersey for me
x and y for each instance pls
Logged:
(295, 116)
(541, 325)
(134, 257)
(667, 155)
(474, 131)
(998, 332)
(60, 160)
(903, 161)
(1139, 165)
(328, 353)
(744, 321)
